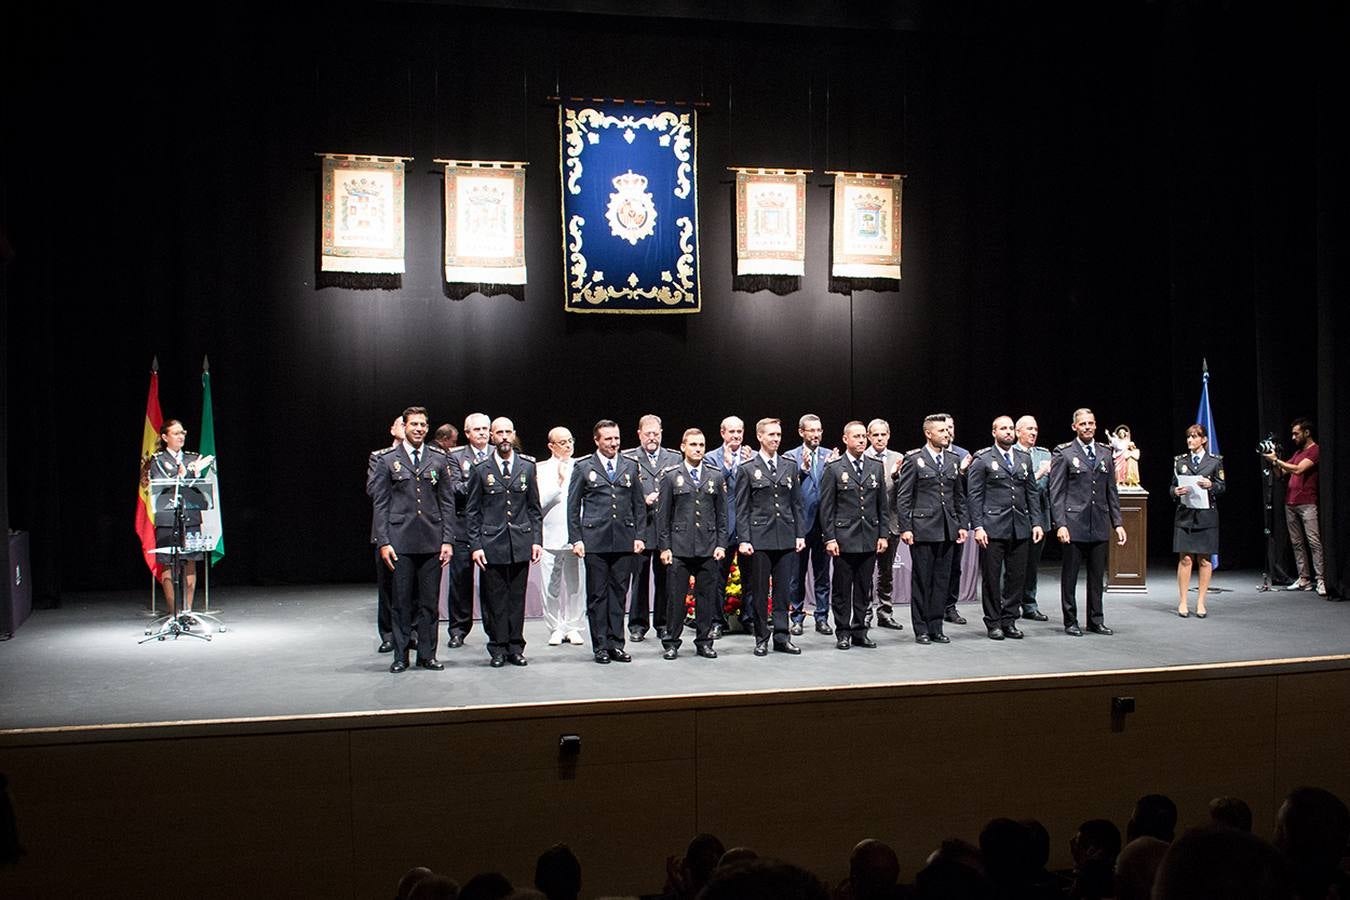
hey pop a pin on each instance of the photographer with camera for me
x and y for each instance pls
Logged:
(1300, 506)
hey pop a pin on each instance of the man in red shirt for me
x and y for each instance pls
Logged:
(1300, 506)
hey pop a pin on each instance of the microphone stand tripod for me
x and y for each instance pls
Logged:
(1267, 522)
(179, 624)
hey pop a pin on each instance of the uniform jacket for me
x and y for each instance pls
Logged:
(413, 507)
(503, 518)
(1083, 494)
(462, 461)
(1006, 504)
(769, 506)
(162, 465)
(691, 520)
(930, 498)
(1211, 467)
(854, 511)
(888, 461)
(1040, 455)
(810, 484)
(606, 517)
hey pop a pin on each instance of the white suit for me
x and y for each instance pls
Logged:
(564, 600)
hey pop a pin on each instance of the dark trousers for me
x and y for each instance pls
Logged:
(886, 578)
(461, 590)
(1074, 553)
(851, 585)
(384, 598)
(764, 567)
(1034, 552)
(607, 577)
(417, 589)
(703, 569)
(954, 580)
(642, 611)
(503, 601)
(813, 554)
(1003, 570)
(932, 571)
(723, 576)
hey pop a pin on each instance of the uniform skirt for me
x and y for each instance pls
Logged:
(1203, 541)
(164, 538)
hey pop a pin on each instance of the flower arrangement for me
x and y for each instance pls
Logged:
(731, 600)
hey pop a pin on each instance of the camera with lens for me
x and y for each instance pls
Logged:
(1268, 444)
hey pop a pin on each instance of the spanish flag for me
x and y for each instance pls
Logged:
(145, 512)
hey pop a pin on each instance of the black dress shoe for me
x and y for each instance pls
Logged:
(619, 656)
(1073, 630)
(635, 636)
(786, 647)
(497, 662)
(602, 657)
(795, 628)
(1100, 629)
(922, 639)
(707, 652)
(1013, 632)
(995, 634)
(386, 647)
(716, 632)
(888, 622)
(842, 644)
(824, 628)
(398, 665)
(761, 648)
(955, 618)
(941, 639)
(433, 664)
(670, 653)
(517, 659)
(456, 640)
(1035, 615)
(864, 642)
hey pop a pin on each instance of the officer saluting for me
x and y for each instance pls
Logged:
(772, 528)
(1086, 509)
(1005, 511)
(606, 525)
(691, 527)
(853, 514)
(930, 503)
(410, 489)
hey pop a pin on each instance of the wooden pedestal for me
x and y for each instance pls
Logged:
(1127, 567)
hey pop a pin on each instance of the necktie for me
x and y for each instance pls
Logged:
(480, 455)
(773, 467)
(693, 476)
(609, 466)
(857, 467)
(810, 461)
(417, 457)
(1007, 455)
(1195, 459)
(506, 469)
(1091, 453)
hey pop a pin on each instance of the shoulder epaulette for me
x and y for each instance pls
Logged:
(630, 453)
(915, 452)
(434, 448)
(583, 458)
(527, 456)
(383, 452)
(1063, 445)
(983, 451)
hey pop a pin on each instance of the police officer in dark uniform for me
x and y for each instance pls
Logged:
(691, 536)
(1195, 532)
(606, 525)
(1085, 509)
(771, 527)
(506, 535)
(854, 514)
(930, 503)
(1005, 515)
(384, 579)
(648, 605)
(477, 429)
(412, 525)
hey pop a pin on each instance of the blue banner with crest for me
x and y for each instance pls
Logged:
(629, 208)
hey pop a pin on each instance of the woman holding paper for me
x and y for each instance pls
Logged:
(1197, 481)
(172, 461)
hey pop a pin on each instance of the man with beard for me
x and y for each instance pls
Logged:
(649, 580)
(728, 458)
(1300, 506)
(691, 526)
(810, 462)
(853, 514)
(1086, 510)
(384, 578)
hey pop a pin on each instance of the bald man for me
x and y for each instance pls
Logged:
(1003, 503)
(564, 603)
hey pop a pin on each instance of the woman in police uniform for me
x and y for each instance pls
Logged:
(170, 461)
(1195, 533)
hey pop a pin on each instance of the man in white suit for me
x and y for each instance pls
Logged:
(564, 600)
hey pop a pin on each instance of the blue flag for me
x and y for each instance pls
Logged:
(1205, 416)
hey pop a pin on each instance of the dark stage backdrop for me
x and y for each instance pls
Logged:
(1099, 196)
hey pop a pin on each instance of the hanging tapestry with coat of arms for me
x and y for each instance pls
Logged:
(770, 222)
(866, 226)
(484, 223)
(629, 208)
(362, 227)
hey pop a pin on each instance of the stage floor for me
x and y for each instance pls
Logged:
(310, 651)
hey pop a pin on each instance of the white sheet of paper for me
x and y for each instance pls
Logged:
(1198, 498)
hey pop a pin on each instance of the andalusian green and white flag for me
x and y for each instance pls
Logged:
(212, 529)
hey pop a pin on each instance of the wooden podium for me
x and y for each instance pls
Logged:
(1127, 567)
